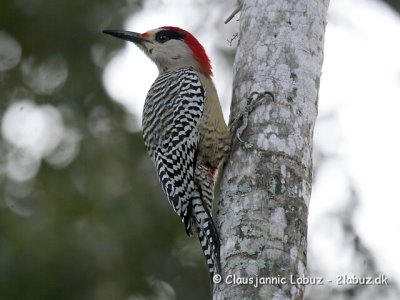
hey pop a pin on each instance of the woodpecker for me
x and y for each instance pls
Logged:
(183, 129)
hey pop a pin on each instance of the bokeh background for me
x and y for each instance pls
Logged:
(82, 215)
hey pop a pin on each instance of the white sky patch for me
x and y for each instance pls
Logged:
(36, 129)
(45, 77)
(361, 84)
(36, 132)
(10, 51)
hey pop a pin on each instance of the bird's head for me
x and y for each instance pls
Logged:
(170, 48)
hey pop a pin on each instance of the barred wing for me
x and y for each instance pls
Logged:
(175, 148)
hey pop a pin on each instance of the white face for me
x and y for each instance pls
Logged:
(167, 50)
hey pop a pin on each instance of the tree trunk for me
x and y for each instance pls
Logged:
(266, 182)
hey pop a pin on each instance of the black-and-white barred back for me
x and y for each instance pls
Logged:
(173, 109)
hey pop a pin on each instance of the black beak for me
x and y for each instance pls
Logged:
(128, 36)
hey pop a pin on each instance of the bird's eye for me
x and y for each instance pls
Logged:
(162, 38)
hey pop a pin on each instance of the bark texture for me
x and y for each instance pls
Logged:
(266, 183)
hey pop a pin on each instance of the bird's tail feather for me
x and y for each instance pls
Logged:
(207, 234)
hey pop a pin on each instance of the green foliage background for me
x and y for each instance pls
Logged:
(100, 227)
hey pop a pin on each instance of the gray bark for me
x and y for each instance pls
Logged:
(266, 182)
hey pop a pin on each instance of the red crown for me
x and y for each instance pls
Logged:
(198, 50)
